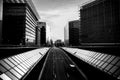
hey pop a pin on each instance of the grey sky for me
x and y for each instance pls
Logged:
(55, 4)
(57, 13)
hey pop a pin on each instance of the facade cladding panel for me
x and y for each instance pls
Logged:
(100, 22)
(19, 22)
(31, 24)
(74, 32)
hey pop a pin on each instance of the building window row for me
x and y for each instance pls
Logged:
(28, 31)
(28, 21)
(105, 62)
(31, 19)
(14, 1)
(29, 11)
(30, 25)
(29, 34)
(30, 15)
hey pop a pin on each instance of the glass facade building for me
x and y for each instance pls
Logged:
(100, 22)
(74, 27)
(43, 33)
(19, 22)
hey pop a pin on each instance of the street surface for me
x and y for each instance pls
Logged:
(58, 66)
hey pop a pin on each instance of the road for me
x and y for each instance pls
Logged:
(59, 66)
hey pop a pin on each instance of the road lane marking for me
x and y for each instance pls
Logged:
(75, 64)
(44, 64)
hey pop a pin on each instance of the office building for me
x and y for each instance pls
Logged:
(19, 22)
(38, 34)
(74, 27)
(100, 22)
(43, 33)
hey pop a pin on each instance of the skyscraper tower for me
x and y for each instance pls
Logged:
(100, 22)
(74, 27)
(19, 22)
(43, 33)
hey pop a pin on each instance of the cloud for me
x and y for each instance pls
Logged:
(49, 14)
(56, 4)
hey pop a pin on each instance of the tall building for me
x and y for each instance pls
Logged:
(38, 34)
(19, 22)
(1, 13)
(66, 35)
(74, 27)
(43, 33)
(100, 22)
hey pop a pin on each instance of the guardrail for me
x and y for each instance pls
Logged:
(104, 62)
(17, 66)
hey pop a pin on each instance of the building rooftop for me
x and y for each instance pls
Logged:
(90, 3)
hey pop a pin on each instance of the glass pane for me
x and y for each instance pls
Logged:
(115, 60)
(15, 73)
(113, 69)
(2, 69)
(5, 64)
(108, 67)
(19, 71)
(11, 76)
(20, 67)
(10, 63)
(13, 61)
(5, 77)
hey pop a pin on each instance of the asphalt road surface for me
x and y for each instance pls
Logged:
(59, 66)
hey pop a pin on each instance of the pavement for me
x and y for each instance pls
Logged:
(59, 66)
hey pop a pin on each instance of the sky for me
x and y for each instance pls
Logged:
(57, 13)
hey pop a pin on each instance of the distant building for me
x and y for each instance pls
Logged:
(74, 27)
(38, 34)
(43, 33)
(100, 22)
(66, 35)
(58, 43)
(19, 22)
